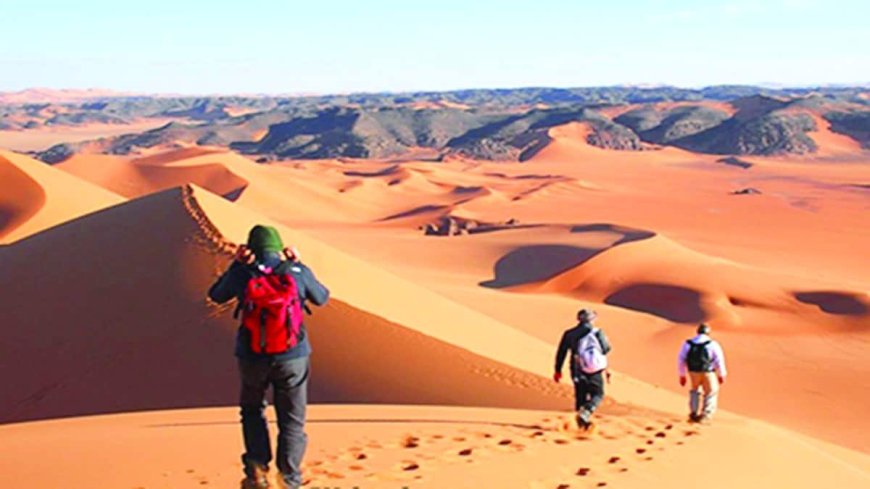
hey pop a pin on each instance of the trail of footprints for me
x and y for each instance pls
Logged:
(469, 446)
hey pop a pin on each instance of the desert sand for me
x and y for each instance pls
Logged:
(432, 362)
(44, 138)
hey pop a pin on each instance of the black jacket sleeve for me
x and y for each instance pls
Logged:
(605, 343)
(230, 285)
(315, 291)
(564, 345)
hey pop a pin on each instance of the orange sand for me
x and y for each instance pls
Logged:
(655, 241)
(44, 138)
(35, 196)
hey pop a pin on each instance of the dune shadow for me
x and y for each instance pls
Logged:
(536, 263)
(423, 209)
(628, 234)
(841, 303)
(671, 302)
(234, 195)
(390, 170)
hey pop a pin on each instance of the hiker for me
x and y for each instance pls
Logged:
(704, 360)
(272, 287)
(589, 348)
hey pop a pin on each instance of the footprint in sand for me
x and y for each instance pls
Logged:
(410, 465)
(505, 442)
(640, 451)
(409, 441)
(583, 471)
(661, 434)
(466, 452)
(613, 460)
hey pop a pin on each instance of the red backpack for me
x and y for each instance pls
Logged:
(272, 312)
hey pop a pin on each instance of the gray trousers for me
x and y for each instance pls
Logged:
(289, 381)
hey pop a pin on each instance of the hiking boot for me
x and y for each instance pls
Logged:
(705, 419)
(582, 418)
(694, 417)
(285, 483)
(257, 479)
(248, 483)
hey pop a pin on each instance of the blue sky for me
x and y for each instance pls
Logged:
(327, 46)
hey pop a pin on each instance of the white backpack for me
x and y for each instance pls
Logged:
(590, 356)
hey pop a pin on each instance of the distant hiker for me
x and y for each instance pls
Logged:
(704, 360)
(589, 348)
(272, 286)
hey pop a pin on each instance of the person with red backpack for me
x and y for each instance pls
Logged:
(704, 360)
(589, 347)
(272, 287)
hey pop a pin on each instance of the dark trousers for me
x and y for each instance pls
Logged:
(588, 390)
(289, 380)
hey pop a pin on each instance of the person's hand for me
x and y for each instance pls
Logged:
(721, 379)
(243, 254)
(607, 374)
(682, 380)
(557, 377)
(292, 254)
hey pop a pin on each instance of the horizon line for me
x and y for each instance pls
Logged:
(116, 93)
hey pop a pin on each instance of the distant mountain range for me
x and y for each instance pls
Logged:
(499, 124)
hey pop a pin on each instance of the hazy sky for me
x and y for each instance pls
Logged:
(327, 46)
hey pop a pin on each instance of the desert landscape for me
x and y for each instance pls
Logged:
(459, 233)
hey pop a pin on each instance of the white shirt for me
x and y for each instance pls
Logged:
(716, 354)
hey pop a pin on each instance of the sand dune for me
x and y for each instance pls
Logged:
(34, 196)
(654, 240)
(569, 142)
(46, 137)
(655, 275)
(115, 324)
(153, 174)
(22, 197)
(830, 143)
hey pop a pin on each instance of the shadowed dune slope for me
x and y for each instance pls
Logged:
(655, 275)
(21, 197)
(136, 178)
(35, 196)
(135, 332)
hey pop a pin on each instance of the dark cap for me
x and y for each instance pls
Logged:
(704, 328)
(586, 315)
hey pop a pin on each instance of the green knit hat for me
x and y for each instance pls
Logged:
(263, 239)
